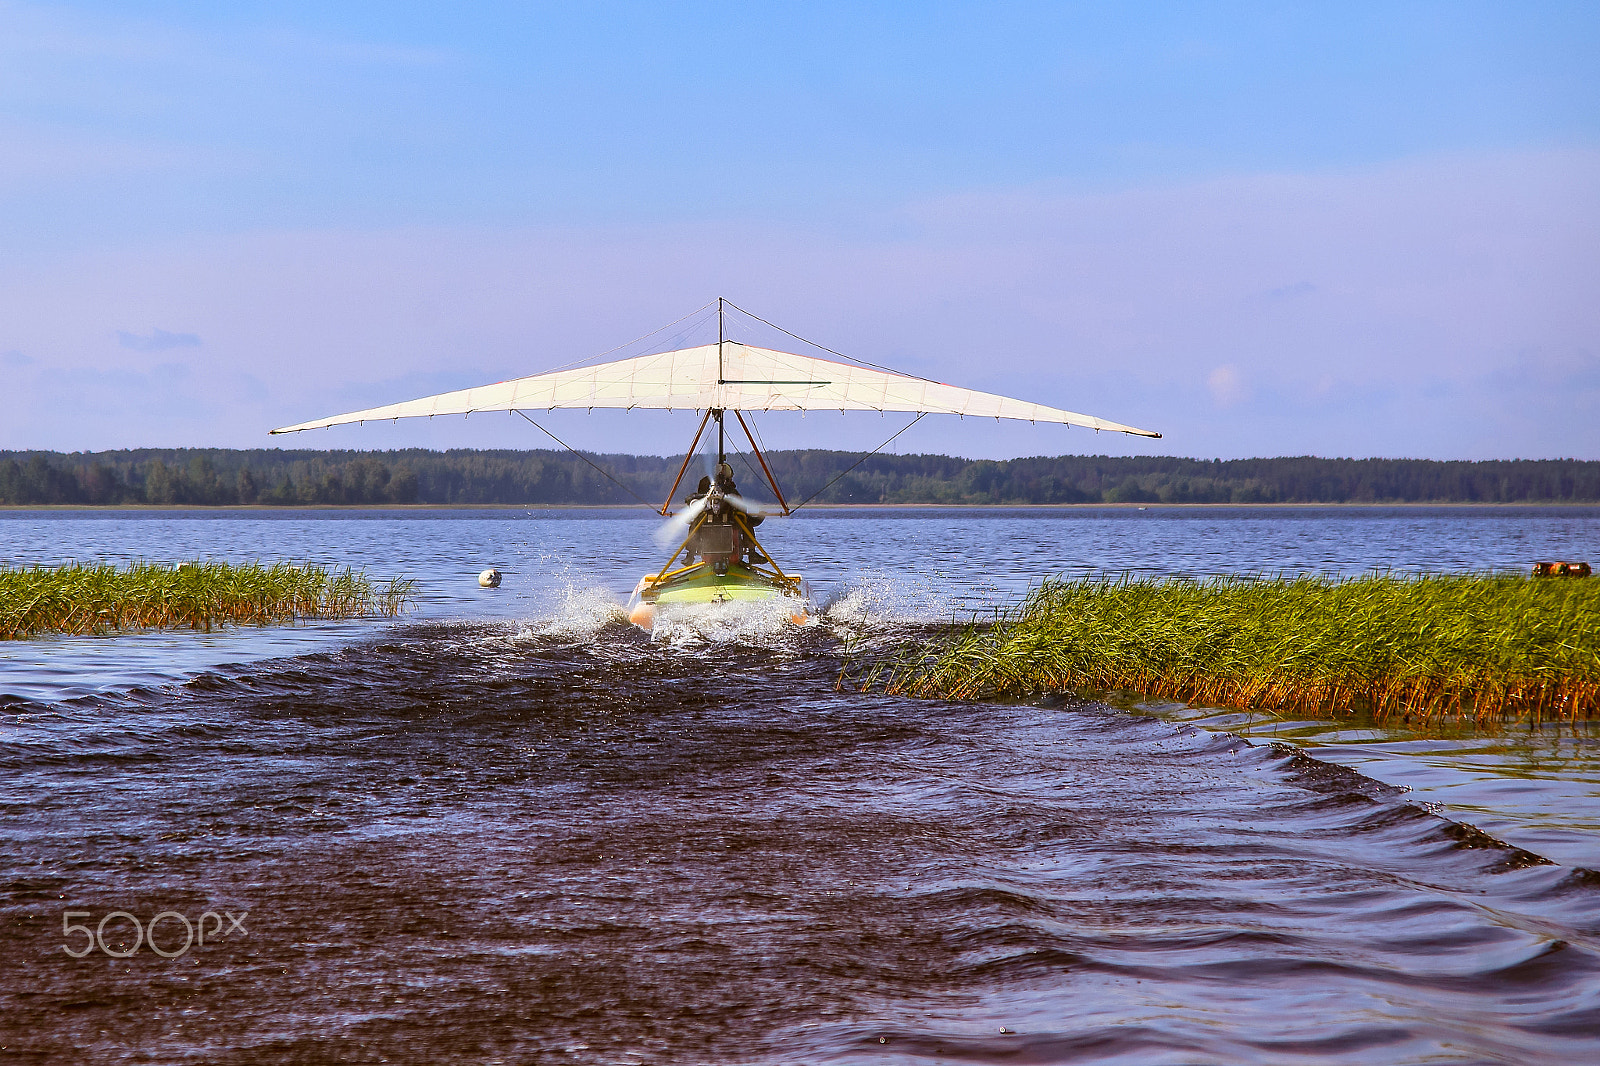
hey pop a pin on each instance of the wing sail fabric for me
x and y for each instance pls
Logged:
(743, 378)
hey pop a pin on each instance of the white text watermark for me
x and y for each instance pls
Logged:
(127, 934)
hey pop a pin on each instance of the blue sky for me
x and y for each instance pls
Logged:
(1261, 228)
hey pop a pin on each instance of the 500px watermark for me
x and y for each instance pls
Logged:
(143, 934)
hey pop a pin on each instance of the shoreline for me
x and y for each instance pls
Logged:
(288, 508)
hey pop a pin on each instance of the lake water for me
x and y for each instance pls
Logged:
(511, 827)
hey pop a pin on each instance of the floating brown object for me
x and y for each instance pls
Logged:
(1548, 568)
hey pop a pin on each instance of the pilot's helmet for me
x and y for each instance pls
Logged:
(724, 471)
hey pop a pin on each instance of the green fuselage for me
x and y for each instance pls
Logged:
(702, 584)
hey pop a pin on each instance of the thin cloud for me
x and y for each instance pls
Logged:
(1149, 307)
(1289, 292)
(1227, 385)
(15, 359)
(159, 340)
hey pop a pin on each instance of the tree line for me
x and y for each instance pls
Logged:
(291, 478)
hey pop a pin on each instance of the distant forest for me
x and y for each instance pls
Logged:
(223, 477)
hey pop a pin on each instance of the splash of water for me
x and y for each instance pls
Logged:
(873, 599)
(874, 602)
(578, 613)
(742, 622)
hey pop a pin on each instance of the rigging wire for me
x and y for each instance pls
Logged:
(585, 458)
(857, 463)
(825, 348)
(761, 442)
(582, 359)
(748, 465)
(658, 329)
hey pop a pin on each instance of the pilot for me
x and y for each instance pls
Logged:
(729, 487)
(726, 486)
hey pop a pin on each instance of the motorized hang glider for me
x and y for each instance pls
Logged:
(718, 527)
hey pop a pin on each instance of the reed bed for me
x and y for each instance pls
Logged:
(88, 598)
(1482, 647)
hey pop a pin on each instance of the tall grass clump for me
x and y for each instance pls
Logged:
(98, 598)
(1478, 646)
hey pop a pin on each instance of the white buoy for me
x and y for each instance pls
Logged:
(490, 578)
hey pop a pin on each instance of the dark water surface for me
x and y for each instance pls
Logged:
(514, 829)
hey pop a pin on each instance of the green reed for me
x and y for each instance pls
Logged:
(97, 598)
(1475, 646)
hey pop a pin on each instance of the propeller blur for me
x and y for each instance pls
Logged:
(674, 529)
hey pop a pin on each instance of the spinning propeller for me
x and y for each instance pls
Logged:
(671, 532)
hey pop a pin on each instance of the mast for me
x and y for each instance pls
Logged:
(722, 455)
